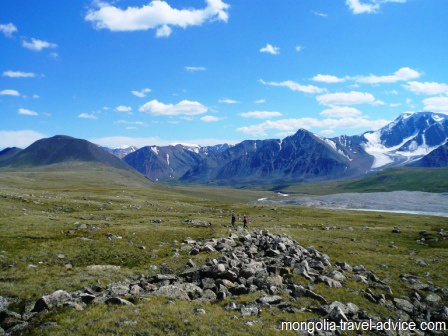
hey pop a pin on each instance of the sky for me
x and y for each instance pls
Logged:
(142, 72)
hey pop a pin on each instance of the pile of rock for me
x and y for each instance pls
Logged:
(253, 262)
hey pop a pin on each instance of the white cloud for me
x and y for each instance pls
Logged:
(394, 92)
(122, 108)
(36, 96)
(141, 93)
(157, 14)
(163, 31)
(427, 88)
(320, 14)
(117, 141)
(306, 123)
(87, 116)
(436, 104)
(295, 86)
(261, 114)
(228, 101)
(38, 45)
(270, 49)
(260, 101)
(18, 74)
(10, 93)
(299, 48)
(21, 139)
(27, 112)
(327, 132)
(192, 68)
(368, 6)
(124, 122)
(8, 29)
(346, 98)
(209, 118)
(403, 74)
(341, 112)
(184, 107)
(328, 79)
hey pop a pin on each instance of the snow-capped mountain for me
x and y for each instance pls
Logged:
(121, 151)
(408, 138)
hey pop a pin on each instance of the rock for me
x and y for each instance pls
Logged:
(337, 315)
(118, 301)
(87, 298)
(328, 281)
(433, 298)
(337, 276)
(173, 292)
(51, 301)
(404, 305)
(249, 311)
(3, 303)
(270, 300)
(102, 267)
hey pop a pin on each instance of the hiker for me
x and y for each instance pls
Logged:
(233, 220)
(245, 221)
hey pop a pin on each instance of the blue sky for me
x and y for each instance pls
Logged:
(142, 72)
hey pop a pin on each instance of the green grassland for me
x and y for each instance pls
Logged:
(55, 221)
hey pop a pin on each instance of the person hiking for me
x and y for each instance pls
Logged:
(233, 220)
(245, 221)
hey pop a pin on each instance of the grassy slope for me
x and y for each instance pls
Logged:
(42, 213)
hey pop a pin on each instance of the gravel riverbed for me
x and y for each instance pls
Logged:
(397, 201)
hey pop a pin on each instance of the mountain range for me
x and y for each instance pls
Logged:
(412, 139)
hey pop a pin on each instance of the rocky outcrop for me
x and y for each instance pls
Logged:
(254, 262)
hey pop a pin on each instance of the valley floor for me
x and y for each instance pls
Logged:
(396, 201)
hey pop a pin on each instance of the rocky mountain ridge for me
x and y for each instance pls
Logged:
(414, 139)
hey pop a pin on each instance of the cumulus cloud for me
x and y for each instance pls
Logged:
(341, 112)
(192, 68)
(427, 88)
(141, 93)
(261, 114)
(27, 112)
(8, 29)
(328, 79)
(292, 124)
(21, 139)
(122, 108)
(184, 107)
(209, 118)
(436, 104)
(403, 74)
(270, 49)
(228, 101)
(346, 98)
(295, 86)
(157, 14)
(368, 6)
(18, 74)
(87, 116)
(38, 45)
(10, 93)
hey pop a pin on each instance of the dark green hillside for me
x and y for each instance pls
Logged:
(411, 179)
(58, 149)
(8, 153)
